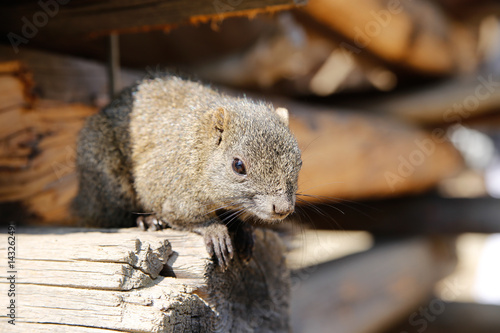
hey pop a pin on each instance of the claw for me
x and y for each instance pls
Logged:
(229, 247)
(150, 222)
(219, 244)
(218, 253)
(210, 247)
(140, 223)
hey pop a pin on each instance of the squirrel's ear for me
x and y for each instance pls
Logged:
(219, 118)
(283, 114)
(219, 121)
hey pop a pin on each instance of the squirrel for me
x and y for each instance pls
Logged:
(172, 152)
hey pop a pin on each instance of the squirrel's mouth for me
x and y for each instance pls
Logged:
(273, 208)
(270, 216)
(279, 216)
(266, 208)
(250, 215)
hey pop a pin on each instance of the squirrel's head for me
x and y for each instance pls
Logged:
(255, 160)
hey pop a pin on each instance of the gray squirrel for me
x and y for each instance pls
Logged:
(174, 152)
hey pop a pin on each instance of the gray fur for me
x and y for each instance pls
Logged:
(156, 150)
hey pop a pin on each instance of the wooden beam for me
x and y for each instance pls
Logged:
(133, 281)
(456, 317)
(452, 101)
(84, 18)
(55, 77)
(350, 154)
(407, 215)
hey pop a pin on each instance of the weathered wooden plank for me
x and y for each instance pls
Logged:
(50, 328)
(132, 281)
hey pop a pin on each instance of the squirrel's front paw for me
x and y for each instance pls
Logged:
(218, 243)
(151, 222)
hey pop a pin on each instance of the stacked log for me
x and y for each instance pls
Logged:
(349, 155)
(415, 35)
(37, 146)
(330, 46)
(346, 154)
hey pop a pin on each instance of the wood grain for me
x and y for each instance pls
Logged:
(133, 281)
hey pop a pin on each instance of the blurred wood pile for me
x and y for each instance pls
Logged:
(330, 46)
(369, 291)
(37, 145)
(356, 155)
(376, 90)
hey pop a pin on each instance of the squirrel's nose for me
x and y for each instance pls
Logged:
(283, 208)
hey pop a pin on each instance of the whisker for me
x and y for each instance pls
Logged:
(314, 206)
(226, 199)
(341, 201)
(302, 210)
(302, 213)
(316, 138)
(318, 210)
(221, 207)
(233, 216)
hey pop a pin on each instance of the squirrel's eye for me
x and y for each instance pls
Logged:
(239, 167)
